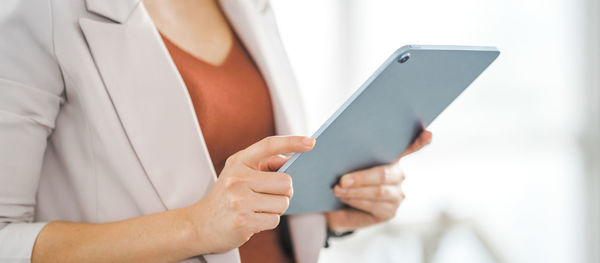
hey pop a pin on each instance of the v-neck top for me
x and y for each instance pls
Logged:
(233, 107)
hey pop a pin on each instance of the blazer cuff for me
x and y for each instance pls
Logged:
(307, 232)
(17, 241)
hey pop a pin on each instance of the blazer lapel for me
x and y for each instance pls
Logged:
(255, 24)
(156, 112)
(153, 105)
(151, 100)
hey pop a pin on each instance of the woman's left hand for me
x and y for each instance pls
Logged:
(374, 194)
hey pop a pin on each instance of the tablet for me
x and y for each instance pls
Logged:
(382, 118)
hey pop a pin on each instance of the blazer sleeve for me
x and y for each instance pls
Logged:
(31, 92)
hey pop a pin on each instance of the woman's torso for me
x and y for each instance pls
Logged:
(125, 141)
(233, 107)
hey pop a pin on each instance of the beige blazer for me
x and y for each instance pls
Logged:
(96, 124)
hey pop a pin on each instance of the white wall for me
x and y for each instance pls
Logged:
(505, 154)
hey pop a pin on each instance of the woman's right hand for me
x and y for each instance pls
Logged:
(248, 197)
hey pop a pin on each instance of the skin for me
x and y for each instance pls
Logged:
(374, 194)
(197, 26)
(246, 199)
(248, 196)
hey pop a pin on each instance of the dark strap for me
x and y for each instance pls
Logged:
(334, 235)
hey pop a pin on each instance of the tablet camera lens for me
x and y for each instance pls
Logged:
(404, 58)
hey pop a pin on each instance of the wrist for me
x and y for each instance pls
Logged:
(333, 230)
(189, 235)
(333, 224)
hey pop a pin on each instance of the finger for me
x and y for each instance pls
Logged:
(272, 183)
(378, 175)
(274, 145)
(273, 163)
(265, 221)
(273, 204)
(423, 140)
(380, 210)
(374, 193)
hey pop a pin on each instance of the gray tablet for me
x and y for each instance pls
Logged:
(381, 119)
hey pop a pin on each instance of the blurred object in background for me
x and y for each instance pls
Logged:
(506, 156)
(591, 134)
(427, 241)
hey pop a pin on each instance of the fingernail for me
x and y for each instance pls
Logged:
(340, 190)
(347, 181)
(310, 142)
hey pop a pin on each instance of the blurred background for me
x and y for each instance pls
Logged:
(511, 175)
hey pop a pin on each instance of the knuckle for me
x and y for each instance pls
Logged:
(398, 200)
(357, 180)
(383, 174)
(391, 214)
(254, 228)
(268, 143)
(386, 215)
(380, 192)
(231, 160)
(284, 203)
(394, 171)
(236, 203)
(244, 225)
(273, 222)
(288, 183)
(240, 222)
(232, 182)
(380, 218)
(246, 235)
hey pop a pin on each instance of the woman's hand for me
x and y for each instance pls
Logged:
(374, 194)
(247, 197)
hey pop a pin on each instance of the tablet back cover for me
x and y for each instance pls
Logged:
(380, 120)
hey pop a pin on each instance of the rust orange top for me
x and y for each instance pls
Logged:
(233, 107)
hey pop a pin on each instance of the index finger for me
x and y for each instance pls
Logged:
(274, 145)
(375, 176)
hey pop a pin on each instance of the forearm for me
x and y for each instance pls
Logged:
(161, 237)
